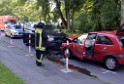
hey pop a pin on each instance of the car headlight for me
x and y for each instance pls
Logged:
(50, 38)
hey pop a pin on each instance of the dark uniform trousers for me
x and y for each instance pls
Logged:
(39, 57)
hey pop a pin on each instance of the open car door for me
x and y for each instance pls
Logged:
(90, 43)
(78, 46)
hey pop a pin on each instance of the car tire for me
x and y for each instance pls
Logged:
(70, 54)
(111, 63)
(6, 35)
(11, 36)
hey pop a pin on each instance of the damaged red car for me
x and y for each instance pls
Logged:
(106, 47)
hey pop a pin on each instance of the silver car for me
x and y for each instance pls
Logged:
(14, 31)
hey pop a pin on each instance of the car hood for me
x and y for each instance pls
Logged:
(71, 37)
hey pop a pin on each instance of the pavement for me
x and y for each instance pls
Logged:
(24, 66)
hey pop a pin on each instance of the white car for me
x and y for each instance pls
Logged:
(14, 31)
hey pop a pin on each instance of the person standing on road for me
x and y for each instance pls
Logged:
(40, 43)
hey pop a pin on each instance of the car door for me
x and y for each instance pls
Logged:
(78, 46)
(7, 30)
(89, 44)
(103, 46)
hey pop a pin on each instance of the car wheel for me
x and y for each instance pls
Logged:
(69, 53)
(5, 34)
(111, 63)
(11, 36)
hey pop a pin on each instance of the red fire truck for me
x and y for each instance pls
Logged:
(6, 19)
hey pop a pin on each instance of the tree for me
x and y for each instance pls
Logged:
(58, 9)
(106, 14)
(6, 7)
(83, 15)
(75, 6)
(28, 10)
(70, 6)
(45, 7)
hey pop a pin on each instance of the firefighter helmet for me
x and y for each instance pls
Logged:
(40, 25)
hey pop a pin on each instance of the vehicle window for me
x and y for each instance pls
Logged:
(90, 40)
(29, 25)
(92, 37)
(17, 26)
(10, 22)
(121, 39)
(104, 40)
(8, 27)
(82, 38)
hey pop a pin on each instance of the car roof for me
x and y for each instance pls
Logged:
(105, 32)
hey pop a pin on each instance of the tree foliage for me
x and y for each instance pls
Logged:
(81, 15)
(45, 7)
(104, 13)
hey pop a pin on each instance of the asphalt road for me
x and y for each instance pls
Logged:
(95, 68)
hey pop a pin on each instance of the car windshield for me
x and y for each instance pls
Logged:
(11, 22)
(17, 26)
(121, 39)
(30, 26)
(82, 38)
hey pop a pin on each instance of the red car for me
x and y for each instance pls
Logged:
(105, 47)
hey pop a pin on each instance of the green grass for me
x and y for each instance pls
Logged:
(7, 77)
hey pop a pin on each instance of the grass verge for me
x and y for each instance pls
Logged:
(7, 77)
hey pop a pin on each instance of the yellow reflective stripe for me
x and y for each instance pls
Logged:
(40, 60)
(39, 47)
(37, 31)
(40, 43)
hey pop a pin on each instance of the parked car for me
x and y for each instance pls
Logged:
(13, 30)
(55, 34)
(105, 47)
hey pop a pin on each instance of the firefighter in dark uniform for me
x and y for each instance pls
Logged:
(40, 43)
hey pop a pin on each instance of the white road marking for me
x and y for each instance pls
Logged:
(108, 71)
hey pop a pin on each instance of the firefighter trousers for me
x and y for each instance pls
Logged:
(39, 57)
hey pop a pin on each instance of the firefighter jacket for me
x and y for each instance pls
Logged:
(40, 39)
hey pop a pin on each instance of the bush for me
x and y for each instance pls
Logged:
(82, 24)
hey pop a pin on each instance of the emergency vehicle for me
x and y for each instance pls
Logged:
(6, 19)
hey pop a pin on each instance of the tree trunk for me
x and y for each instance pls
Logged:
(67, 14)
(98, 26)
(122, 12)
(64, 23)
(73, 20)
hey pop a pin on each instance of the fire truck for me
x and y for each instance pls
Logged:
(6, 19)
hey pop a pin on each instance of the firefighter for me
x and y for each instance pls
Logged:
(40, 43)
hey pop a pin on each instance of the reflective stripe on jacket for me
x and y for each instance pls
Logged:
(38, 39)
